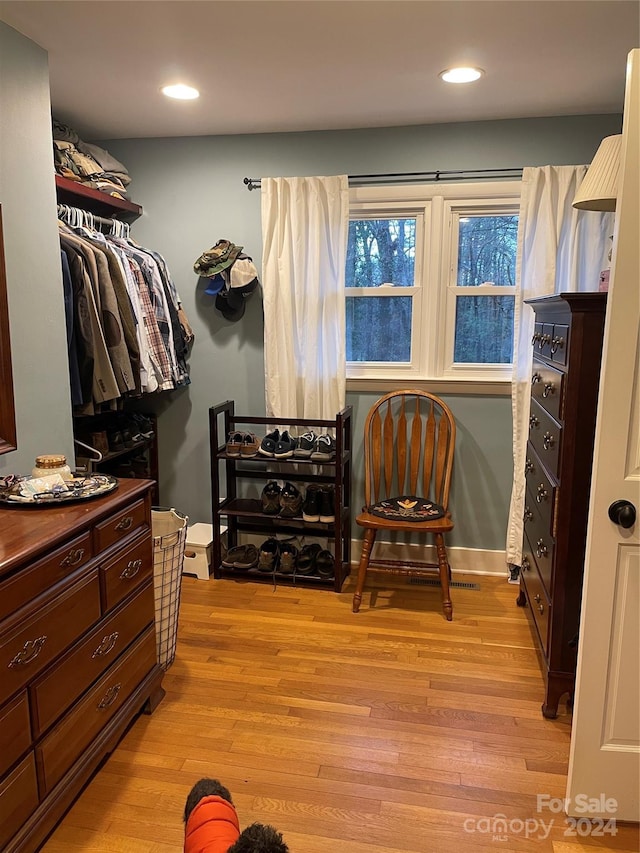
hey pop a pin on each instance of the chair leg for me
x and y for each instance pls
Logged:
(443, 565)
(367, 545)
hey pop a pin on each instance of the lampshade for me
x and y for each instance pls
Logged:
(599, 189)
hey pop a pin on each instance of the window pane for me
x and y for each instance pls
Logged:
(381, 251)
(379, 328)
(487, 250)
(484, 330)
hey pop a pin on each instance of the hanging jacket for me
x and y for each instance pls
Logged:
(212, 826)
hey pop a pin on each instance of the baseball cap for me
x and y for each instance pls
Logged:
(215, 285)
(217, 258)
(241, 280)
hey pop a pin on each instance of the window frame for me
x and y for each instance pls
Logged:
(434, 293)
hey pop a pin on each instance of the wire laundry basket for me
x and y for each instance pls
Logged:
(169, 529)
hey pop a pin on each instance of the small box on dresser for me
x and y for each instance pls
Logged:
(567, 350)
(77, 650)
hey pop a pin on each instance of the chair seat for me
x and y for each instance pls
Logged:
(439, 525)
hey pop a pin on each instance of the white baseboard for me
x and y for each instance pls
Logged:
(468, 561)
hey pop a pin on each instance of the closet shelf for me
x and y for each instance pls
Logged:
(79, 195)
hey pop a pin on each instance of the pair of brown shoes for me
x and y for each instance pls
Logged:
(242, 444)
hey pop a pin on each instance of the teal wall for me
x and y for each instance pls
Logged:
(32, 256)
(192, 193)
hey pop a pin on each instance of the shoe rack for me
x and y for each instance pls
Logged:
(237, 483)
(124, 445)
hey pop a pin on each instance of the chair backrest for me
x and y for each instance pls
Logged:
(409, 440)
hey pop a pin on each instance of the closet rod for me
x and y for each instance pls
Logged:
(408, 177)
(87, 216)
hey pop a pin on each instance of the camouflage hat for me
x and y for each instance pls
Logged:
(216, 259)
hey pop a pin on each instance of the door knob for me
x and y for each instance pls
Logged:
(623, 513)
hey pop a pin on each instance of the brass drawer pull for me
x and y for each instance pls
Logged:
(528, 515)
(73, 557)
(537, 598)
(132, 569)
(526, 565)
(548, 441)
(529, 467)
(557, 343)
(544, 340)
(106, 645)
(536, 378)
(536, 337)
(533, 422)
(110, 696)
(125, 523)
(549, 389)
(30, 652)
(541, 609)
(541, 549)
(542, 494)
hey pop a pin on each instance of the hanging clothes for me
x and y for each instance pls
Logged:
(129, 334)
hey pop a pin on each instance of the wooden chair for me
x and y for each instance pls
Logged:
(409, 441)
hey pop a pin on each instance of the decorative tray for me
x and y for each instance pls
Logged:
(12, 490)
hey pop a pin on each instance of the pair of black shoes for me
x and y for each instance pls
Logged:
(285, 501)
(285, 558)
(319, 504)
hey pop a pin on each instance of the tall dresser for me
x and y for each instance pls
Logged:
(77, 649)
(567, 348)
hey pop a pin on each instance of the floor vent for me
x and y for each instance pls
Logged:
(435, 582)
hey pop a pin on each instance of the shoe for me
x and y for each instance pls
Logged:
(325, 449)
(285, 447)
(145, 425)
(311, 505)
(268, 443)
(116, 442)
(290, 501)
(306, 444)
(271, 498)
(234, 443)
(306, 562)
(327, 508)
(325, 564)
(268, 555)
(288, 555)
(241, 557)
(250, 445)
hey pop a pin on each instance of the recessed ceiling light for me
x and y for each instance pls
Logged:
(181, 92)
(461, 75)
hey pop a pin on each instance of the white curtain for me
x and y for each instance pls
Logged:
(560, 249)
(305, 223)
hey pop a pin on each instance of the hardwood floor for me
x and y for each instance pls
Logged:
(389, 731)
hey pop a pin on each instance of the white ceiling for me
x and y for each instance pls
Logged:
(290, 65)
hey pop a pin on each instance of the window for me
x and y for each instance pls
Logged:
(430, 281)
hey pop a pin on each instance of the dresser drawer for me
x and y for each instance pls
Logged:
(71, 736)
(15, 733)
(547, 387)
(560, 343)
(545, 436)
(542, 492)
(536, 595)
(18, 798)
(61, 685)
(27, 649)
(120, 525)
(129, 570)
(33, 581)
(536, 525)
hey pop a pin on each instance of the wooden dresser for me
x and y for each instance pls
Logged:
(567, 348)
(77, 650)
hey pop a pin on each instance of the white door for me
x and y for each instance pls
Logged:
(604, 765)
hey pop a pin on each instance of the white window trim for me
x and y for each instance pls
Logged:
(436, 202)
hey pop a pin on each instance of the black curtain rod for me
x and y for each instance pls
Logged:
(408, 177)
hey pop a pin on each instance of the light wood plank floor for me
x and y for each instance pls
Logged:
(389, 731)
